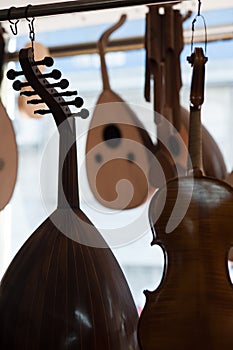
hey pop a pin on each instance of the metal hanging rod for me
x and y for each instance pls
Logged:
(75, 6)
(132, 43)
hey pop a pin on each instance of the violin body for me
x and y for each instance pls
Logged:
(8, 158)
(193, 306)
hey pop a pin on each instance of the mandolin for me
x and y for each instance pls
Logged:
(8, 146)
(118, 148)
(64, 289)
(193, 306)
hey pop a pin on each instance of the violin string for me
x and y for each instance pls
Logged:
(193, 26)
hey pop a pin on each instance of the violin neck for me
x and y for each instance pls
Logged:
(68, 196)
(195, 140)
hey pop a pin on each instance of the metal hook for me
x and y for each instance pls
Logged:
(193, 26)
(30, 25)
(13, 25)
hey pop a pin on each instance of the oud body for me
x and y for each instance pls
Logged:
(64, 289)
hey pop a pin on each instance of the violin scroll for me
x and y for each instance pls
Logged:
(198, 61)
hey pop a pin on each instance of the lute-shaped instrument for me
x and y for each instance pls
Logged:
(8, 146)
(64, 289)
(118, 149)
(193, 306)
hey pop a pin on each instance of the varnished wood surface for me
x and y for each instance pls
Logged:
(60, 294)
(193, 306)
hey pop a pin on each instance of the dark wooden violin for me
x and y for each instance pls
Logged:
(193, 306)
(8, 146)
(118, 148)
(64, 289)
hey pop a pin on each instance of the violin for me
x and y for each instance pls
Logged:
(8, 146)
(118, 149)
(64, 289)
(191, 220)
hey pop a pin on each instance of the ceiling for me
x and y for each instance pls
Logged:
(91, 18)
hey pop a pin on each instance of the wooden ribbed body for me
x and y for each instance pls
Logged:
(65, 289)
(60, 294)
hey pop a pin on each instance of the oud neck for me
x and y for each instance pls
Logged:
(68, 195)
(104, 71)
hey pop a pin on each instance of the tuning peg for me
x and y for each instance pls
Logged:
(47, 61)
(63, 84)
(65, 93)
(12, 74)
(28, 93)
(55, 74)
(42, 111)
(84, 113)
(18, 85)
(77, 102)
(35, 101)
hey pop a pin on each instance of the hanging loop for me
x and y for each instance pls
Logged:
(30, 25)
(13, 25)
(193, 26)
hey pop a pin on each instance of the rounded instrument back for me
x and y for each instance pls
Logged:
(8, 158)
(117, 154)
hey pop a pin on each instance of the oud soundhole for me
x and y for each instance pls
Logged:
(112, 136)
(98, 158)
(131, 157)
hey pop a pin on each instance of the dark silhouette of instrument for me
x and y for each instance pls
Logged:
(193, 306)
(64, 289)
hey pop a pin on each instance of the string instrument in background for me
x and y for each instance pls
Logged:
(8, 146)
(118, 148)
(164, 44)
(26, 109)
(64, 289)
(193, 306)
